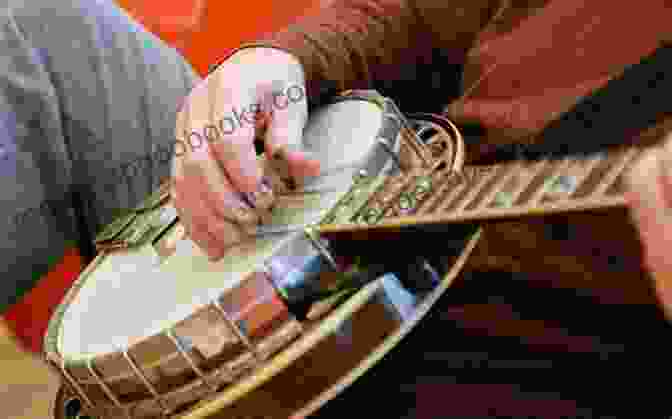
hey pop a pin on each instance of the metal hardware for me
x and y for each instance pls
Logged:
(147, 383)
(185, 354)
(60, 368)
(324, 252)
(236, 329)
(360, 176)
(129, 229)
(106, 389)
(282, 229)
(388, 148)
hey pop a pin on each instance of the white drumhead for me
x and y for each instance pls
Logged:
(129, 296)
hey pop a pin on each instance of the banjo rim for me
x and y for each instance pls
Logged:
(323, 329)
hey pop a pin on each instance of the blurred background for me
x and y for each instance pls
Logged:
(205, 30)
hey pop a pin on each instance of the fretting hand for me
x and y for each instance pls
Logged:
(650, 200)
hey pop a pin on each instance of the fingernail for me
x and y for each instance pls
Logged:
(297, 148)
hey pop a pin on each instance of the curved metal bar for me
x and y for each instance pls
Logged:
(60, 369)
(236, 329)
(185, 354)
(322, 250)
(106, 389)
(447, 125)
(147, 383)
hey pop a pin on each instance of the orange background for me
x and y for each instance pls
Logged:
(205, 30)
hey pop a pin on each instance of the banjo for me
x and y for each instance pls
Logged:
(240, 337)
(197, 338)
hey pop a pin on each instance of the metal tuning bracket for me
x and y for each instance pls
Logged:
(141, 224)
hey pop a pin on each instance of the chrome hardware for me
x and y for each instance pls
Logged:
(185, 354)
(360, 176)
(235, 328)
(388, 148)
(320, 247)
(138, 372)
(106, 389)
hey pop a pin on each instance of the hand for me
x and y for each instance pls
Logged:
(650, 200)
(218, 189)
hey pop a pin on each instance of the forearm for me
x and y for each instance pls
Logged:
(358, 43)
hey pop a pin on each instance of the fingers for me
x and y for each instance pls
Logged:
(288, 110)
(284, 132)
(650, 202)
(234, 116)
(217, 218)
(301, 163)
(219, 186)
(650, 198)
(212, 209)
(194, 219)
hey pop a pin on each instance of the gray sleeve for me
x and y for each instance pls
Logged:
(88, 103)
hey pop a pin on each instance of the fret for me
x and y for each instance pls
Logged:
(390, 207)
(447, 182)
(556, 170)
(532, 181)
(511, 171)
(482, 183)
(454, 193)
(390, 196)
(586, 171)
(564, 185)
(624, 159)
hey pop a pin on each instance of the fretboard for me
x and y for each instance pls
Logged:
(507, 191)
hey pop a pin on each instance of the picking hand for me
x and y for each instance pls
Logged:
(219, 189)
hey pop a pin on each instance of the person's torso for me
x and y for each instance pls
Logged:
(91, 99)
(537, 59)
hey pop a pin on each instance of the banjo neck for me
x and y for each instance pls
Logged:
(576, 164)
(502, 192)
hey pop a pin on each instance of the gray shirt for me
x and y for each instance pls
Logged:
(88, 101)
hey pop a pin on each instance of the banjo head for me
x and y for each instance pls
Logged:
(152, 327)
